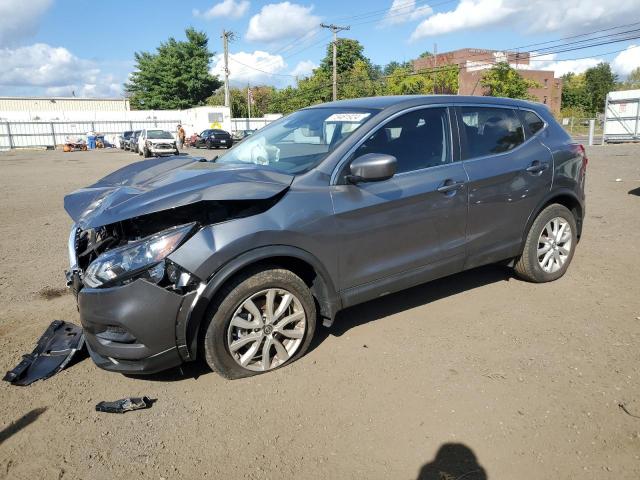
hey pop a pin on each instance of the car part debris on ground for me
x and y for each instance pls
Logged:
(53, 352)
(125, 405)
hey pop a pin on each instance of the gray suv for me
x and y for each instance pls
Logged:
(237, 260)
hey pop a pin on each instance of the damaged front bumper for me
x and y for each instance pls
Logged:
(131, 328)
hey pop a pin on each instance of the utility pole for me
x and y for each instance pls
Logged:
(335, 29)
(249, 100)
(435, 66)
(226, 37)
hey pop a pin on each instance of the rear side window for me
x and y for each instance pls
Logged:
(490, 130)
(418, 139)
(533, 122)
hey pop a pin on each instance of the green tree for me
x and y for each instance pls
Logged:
(599, 81)
(391, 66)
(632, 82)
(502, 80)
(576, 101)
(358, 82)
(309, 91)
(348, 52)
(404, 81)
(176, 76)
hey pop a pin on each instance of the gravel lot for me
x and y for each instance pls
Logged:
(493, 377)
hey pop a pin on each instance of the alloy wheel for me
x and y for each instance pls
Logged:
(266, 329)
(554, 245)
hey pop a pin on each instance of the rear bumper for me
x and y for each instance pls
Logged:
(132, 328)
(220, 142)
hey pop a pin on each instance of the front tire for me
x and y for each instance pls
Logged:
(262, 320)
(550, 245)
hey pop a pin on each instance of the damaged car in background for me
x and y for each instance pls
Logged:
(236, 260)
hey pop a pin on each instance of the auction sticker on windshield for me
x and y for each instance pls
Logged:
(347, 117)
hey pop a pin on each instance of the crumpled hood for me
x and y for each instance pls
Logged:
(151, 186)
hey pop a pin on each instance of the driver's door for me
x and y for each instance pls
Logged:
(408, 229)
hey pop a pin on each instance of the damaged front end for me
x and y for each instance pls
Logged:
(131, 295)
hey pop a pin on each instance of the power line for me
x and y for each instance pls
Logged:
(263, 71)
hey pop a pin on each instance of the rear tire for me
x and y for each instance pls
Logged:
(549, 247)
(283, 345)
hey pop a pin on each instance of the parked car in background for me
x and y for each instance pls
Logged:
(213, 138)
(124, 139)
(155, 142)
(242, 134)
(133, 141)
(237, 261)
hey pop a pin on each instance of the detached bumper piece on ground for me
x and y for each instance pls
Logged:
(125, 405)
(54, 351)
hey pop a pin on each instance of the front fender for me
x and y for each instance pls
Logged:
(190, 318)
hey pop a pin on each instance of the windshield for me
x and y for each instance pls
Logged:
(159, 134)
(300, 141)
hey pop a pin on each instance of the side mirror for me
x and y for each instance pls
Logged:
(372, 167)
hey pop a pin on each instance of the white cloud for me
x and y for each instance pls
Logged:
(19, 21)
(42, 68)
(255, 68)
(622, 64)
(467, 15)
(560, 67)
(402, 11)
(534, 16)
(627, 60)
(226, 8)
(304, 68)
(278, 21)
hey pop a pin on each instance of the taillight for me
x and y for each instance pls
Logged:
(583, 154)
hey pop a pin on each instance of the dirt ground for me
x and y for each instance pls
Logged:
(479, 375)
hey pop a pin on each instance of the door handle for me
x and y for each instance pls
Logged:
(450, 186)
(537, 167)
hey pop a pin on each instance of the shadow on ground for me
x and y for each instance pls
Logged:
(635, 191)
(411, 298)
(454, 461)
(368, 312)
(24, 421)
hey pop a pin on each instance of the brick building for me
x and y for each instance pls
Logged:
(473, 62)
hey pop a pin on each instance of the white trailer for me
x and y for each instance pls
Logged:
(622, 117)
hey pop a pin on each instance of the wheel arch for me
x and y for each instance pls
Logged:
(299, 261)
(566, 198)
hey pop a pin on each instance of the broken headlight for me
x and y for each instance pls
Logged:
(140, 258)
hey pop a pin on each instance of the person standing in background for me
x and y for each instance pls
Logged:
(181, 136)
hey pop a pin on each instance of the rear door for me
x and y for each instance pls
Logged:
(410, 228)
(509, 175)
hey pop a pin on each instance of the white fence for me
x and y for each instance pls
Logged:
(49, 134)
(249, 123)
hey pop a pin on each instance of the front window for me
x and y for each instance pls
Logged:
(300, 141)
(159, 135)
(418, 139)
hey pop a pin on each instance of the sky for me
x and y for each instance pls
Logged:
(65, 47)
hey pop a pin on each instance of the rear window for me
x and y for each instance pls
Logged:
(490, 130)
(533, 122)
